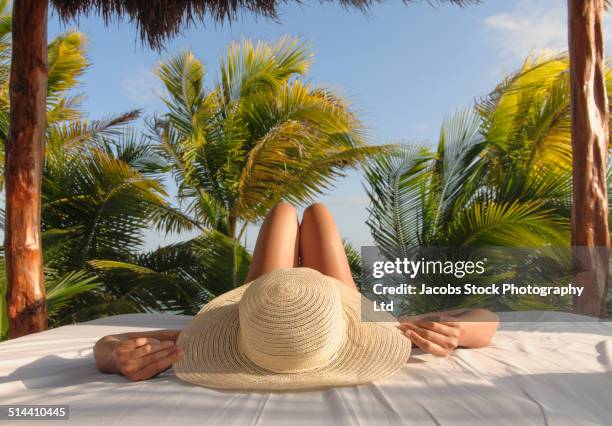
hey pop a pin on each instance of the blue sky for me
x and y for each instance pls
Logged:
(404, 67)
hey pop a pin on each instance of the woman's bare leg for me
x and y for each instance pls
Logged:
(321, 247)
(277, 243)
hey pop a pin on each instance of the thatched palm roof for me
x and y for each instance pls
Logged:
(159, 19)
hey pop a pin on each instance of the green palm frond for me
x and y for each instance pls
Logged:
(62, 289)
(527, 119)
(489, 182)
(179, 278)
(162, 280)
(67, 62)
(135, 149)
(169, 219)
(355, 262)
(225, 260)
(96, 305)
(455, 167)
(103, 199)
(397, 184)
(305, 137)
(183, 78)
(250, 67)
(515, 224)
(197, 187)
(6, 27)
(75, 133)
(64, 109)
(414, 192)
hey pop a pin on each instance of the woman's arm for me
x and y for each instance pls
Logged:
(137, 355)
(440, 333)
(477, 327)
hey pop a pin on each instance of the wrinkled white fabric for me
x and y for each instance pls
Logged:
(532, 373)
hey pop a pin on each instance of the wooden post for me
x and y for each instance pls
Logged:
(590, 235)
(25, 150)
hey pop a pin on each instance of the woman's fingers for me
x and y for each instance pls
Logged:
(449, 328)
(426, 345)
(127, 353)
(158, 365)
(151, 358)
(151, 348)
(136, 348)
(129, 345)
(151, 365)
(169, 335)
(143, 357)
(174, 334)
(432, 336)
(441, 335)
(141, 341)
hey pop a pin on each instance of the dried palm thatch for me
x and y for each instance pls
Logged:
(159, 19)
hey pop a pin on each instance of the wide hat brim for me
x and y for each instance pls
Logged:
(211, 355)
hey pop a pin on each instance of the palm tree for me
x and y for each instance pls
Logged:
(527, 124)
(500, 176)
(100, 183)
(102, 188)
(260, 134)
(67, 61)
(420, 197)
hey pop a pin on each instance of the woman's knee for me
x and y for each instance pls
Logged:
(285, 209)
(316, 210)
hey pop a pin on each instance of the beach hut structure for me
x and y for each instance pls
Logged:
(590, 137)
(158, 20)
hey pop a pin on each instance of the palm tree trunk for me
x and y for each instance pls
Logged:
(232, 224)
(27, 309)
(590, 235)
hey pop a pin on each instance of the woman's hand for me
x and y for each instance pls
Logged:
(441, 333)
(437, 335)
(144, 357)
(138, 355)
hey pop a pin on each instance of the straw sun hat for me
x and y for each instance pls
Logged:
(289, 329)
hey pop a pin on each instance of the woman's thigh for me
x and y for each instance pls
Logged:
(277, 243)
(321, 247)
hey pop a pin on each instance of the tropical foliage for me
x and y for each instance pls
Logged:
(500, 175)
(100, 184)
(66, 62)
(259, 135)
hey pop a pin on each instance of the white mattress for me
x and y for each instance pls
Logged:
(533, 373)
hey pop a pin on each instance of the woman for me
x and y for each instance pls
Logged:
(284, 243)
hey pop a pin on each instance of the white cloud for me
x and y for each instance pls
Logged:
(142, 87)
(530, 26)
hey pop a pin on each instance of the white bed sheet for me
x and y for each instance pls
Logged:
(532, 373)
